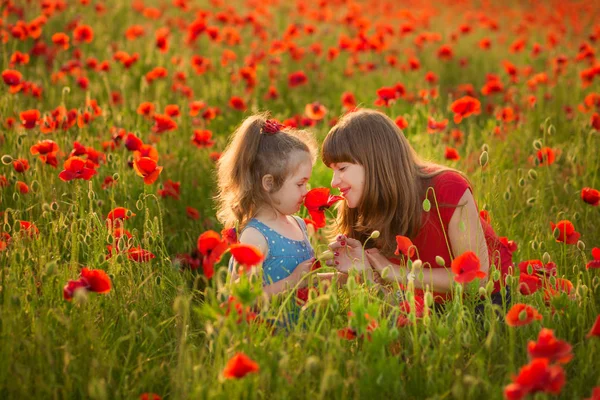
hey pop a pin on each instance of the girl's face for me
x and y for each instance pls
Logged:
(289, 198)
(350, 179)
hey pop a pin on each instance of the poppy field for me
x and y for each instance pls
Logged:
(113, 266)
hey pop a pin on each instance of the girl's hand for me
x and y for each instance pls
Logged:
(347, 254)
(301, 271)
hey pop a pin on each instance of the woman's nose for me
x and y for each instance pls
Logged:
(335, 180)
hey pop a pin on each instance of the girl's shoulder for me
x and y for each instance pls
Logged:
(252, 234)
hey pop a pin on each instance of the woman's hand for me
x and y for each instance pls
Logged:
(347, 254)
(379, 262)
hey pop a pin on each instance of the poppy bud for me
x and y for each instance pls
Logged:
(495, 275)
(546, 258)
(483, 159)
(385, 272)
(426, 205)
(428, 299)
(375, 234)
(485, 147)
(537, 144)
(482, 291)
(489, 288)
(326, 255)
(580, 245)
(576, 216)
(534, 245)
(440, 261)
(7, 159)
(507, 195)
(531, 201)
(532, 174)
(522, 182)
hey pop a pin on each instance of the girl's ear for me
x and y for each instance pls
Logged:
(267, 182)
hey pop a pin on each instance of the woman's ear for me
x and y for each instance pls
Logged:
(267, 182)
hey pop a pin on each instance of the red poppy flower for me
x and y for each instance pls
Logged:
(138, 254)
(230, 236)
(466, 267)
(434, 126)
(61, 39)
(529, 284)
(595, 121)
(564, 232)
(464, 107)
(71, 287)
(23, 188)
(202, 138)
(451, 154)
(119, 213)
(522, 314)
(132, 142)
(147, 168)
(595, 331)
(239, 366)
(29, 118)
(11, 77)
(150, 396)
(83, 33)
(348, 101)
(561, 285)
(404, 246)
(445, 52)
(347, 333)
(212, 248)
(537, 376)
(170, 189)
(246, 255)
(548, 346)
(237, 103)
(538, 268)
(146, 109)
(297, 78)
(20, 165)
(546, 156)
(590, 196)
(97, 280)
(46, 149)
(172, 110)
(315, 111)
(192, 213)
(595, 262)
(401, 122)
(405, 309)
(492, 86)
(77, 168)
(163, 123)
(317, 201)
(386, 95)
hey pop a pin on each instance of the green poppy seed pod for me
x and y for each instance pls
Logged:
(537, 144)
(109, 158)
(46, 207)
(523, 315)
(375, 234)
(489, 288)
(116, 176)
(529, 269)
(20, 140)
(532, 174)
(531, 201)
(507, 195)
(576, 216)
(485, 147)
(551, 130)
(7, 159)
(429, 299)
(496, 275)
(426, 205)
(522, 182)
(326, 255)
(580, 245)
(417, 264)
(584, 290)
(482, 291)
(483, 159)
(440, 261)
(546, 258)
(534, 245)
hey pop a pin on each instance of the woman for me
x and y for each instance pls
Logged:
(384, 183)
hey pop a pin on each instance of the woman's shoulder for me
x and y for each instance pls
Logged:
(449, 186)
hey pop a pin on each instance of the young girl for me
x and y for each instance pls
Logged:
(384, 183)
(262, 178)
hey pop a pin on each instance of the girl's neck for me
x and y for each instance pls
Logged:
(271, 215)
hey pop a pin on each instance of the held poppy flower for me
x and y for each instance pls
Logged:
(317, 201)
(404, 246)
(548, 346)
(202, 138)
(246, 255)
(465, 107)
(595, 262)
(212, 248)
(239, 366)
(466, 267)
(315, 111)
(77, 168)
(590, 196)
(147, 168)
(537, 376)
(595, 331)
(564, 231)
(11, 77)
(522, 314)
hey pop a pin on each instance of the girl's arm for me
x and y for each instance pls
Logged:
(465, 233)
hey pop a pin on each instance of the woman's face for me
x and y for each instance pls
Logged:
(350, 179)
